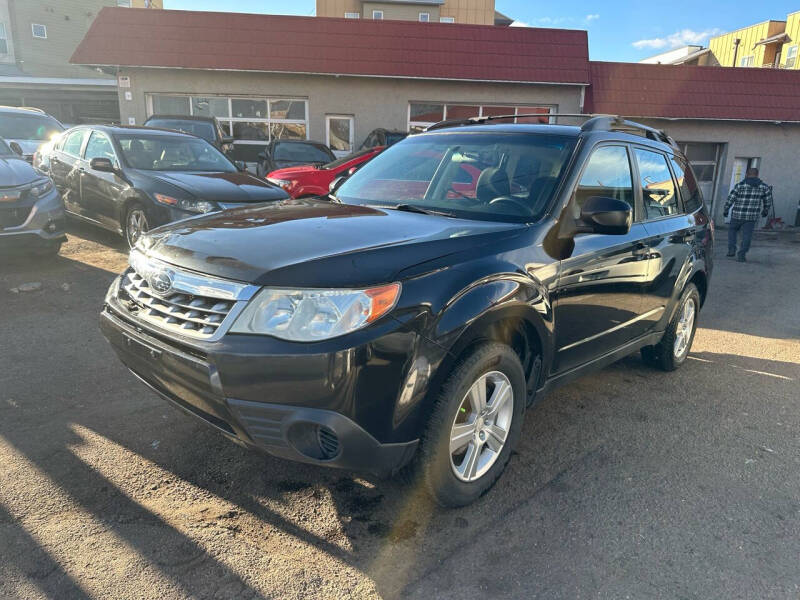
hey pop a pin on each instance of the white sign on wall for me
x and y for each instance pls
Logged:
(131, 120)
(124, 81)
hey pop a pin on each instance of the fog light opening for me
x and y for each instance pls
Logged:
(314, 441)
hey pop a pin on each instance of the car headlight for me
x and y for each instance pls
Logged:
(41, 188)
(195, 206)
(310, 315)
(281, 183)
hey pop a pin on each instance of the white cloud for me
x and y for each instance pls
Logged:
(590, 18)
(684, 37)
(520, 24)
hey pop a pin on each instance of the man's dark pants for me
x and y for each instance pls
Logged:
(747, 235)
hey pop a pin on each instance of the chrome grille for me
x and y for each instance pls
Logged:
(193, 305)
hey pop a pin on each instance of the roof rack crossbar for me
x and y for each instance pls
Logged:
(487, 118)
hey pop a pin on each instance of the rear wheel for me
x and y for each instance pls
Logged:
(136, 224)
(671, 352)
(475, 425)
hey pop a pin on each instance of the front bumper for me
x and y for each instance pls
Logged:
(42, 223)
(301, 407)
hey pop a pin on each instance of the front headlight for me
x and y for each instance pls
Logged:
(41, 188)
(284, 184)
(310, 315)
(189, 205)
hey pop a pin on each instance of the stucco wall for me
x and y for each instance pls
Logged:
(775, 145)
(375, 102)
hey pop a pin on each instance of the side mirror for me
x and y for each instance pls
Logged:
(241, 165)
(336, 184)
(605, 215)
(102, 164)
(15, 148)
(226, 140)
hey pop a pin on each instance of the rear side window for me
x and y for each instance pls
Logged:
(73, 142)
(607, 174)
(690, 192)
(658, 188)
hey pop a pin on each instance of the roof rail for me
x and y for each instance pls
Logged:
(487, 118)
(617, 123)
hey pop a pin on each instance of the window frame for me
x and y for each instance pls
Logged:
(33, 31)
(640, 197)
(108, 139)
(352, 15)
(791, 56)
(447, 19)
(3, 38)
(637, 201)
(82, 131)
(427, 18)
(747, 61)
(377, 12)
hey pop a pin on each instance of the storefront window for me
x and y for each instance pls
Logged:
(423, 114)
(170, 105)
(211, 107)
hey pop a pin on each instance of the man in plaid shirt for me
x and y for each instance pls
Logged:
(749, 198)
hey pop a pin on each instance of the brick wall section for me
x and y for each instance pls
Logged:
(274, 43)
(641, 90)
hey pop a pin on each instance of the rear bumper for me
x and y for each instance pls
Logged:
(192, 381)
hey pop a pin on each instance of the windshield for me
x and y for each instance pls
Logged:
(300, 153)
(15, 126)
(393, 138)
(172, 153)
(485, 176)
(348, 158)
(201, 129)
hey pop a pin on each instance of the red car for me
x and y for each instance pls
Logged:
(308, 180)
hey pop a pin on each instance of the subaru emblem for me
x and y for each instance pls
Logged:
(160, 282)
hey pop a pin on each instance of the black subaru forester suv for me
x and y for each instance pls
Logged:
(410, 319)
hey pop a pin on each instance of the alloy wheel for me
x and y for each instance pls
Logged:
(683, 332)
(136, 226)
(481, 426)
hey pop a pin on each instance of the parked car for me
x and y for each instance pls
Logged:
(130, 179)
(31, 211)
(300, 182)
(412, 320)
(383, 137)
(207, 128)
(28, 127)
(280, 154)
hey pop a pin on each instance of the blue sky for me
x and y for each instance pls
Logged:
(625, 31)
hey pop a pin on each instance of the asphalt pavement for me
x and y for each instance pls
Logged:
(629, 483)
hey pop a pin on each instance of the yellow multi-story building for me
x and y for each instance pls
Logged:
(476, 12)
(770, 44)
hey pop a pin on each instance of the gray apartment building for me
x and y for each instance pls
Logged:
(37, 38)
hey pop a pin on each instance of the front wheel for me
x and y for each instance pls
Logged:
(671, 352)
(475, 425)
(136, 224)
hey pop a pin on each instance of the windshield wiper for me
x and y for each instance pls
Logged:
(423, 211)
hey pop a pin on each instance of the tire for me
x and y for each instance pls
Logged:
(452, 478)
(132, 231)
(49, 249)
(671, 352)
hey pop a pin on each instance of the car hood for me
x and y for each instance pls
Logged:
(290, 172)
(220, 187)
(313, 243)
(14, 171)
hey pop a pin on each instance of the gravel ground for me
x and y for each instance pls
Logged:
(629, 483)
